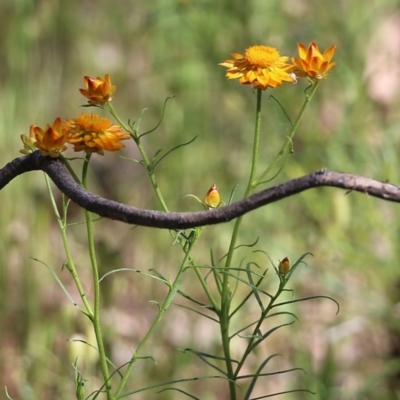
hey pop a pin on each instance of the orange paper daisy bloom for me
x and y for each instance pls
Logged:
(312, 63)
(50, 141)
(98, 90)
(94, 134)
(260, 66)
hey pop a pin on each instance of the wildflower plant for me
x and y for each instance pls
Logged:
(262, 68)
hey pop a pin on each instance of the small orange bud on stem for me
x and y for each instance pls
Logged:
(212, 198)
(284, 267)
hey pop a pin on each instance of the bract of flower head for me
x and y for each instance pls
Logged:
(284, 266)
(312, 63)
(94, 134)
(212, 198)
(29, 143)
(98, 90)
(50, 141)
(260, 66)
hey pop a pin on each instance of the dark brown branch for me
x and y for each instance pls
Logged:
(136, 216)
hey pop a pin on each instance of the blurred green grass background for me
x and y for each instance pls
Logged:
(172, 47)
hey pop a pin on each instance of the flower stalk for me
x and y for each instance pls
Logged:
(174, 286)
(96, 288)
(226, 295)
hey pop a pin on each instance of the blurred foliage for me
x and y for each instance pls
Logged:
(154, 49)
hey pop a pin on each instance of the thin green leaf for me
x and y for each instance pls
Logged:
(255, 292)
(248, 296)
(131, 159)
(212, 256)
(170, 383)
(134, 133)
(282, 313)
(237, 247)
(204, 359)
(97, 392)
(173, 149)
(186, 296)
(279, 393)
(282, 371)
(282, 108)
(308, 298)
(256, 376)
(161, 276)
(217, 279)
(159, 123)
(232, 193)
(243, 328)
(197, 312)
(180, 391)
(200, 353)
(280, 168)
(133, 270)
(8, 396)
(157, 153)
(131, 124)
(172, 293)
(239, 269)
(92, 105)
(268, 333)
(248, 284)
(55, 276)
(248, 245)
(297, 263)
(195, 197)
(84, 222)
(93, 347)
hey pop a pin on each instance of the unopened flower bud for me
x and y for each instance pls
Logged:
(98, 90)
(212, 198)
(284, 266)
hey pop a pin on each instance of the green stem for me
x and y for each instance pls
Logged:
(161, 200)
(146, 159)
(69, 168)
(251, 183)
(96, 289)
(225, 296)
(204, 285)
(188, 258)
(164, 206)
(258, 327)
(70, 262)
(289, 138)
(168, 300)
(150, 171)
(115, 115)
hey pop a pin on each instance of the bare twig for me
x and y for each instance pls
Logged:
(136, 216)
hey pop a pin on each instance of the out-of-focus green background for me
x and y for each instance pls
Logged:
(154, 49)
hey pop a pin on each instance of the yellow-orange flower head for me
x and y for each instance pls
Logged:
(98, 90)
(312, 63)
(261, 66)
(94, 134)
(50, 141)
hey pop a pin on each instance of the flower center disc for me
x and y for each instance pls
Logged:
(262, 56)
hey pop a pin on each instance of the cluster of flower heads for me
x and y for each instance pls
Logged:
(263, 66)
(260, 66)
(88, 132)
